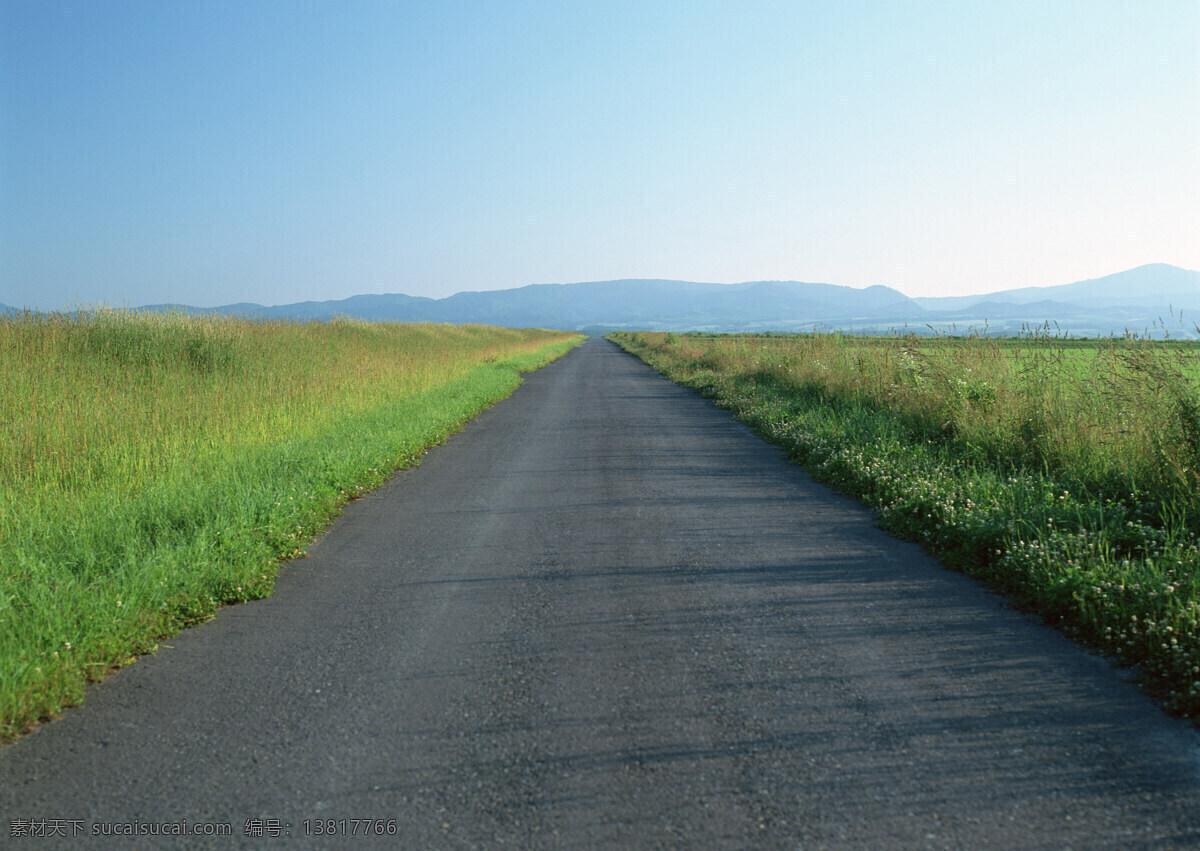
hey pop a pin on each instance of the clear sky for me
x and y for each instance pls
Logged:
(217, 151)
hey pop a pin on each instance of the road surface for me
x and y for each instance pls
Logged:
(607, 616)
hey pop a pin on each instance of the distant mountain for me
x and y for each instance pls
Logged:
(1153, 285)
(645, 304)
(1148, 299)
(370, 307)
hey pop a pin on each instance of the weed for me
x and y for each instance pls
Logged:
(153, 468)
(1061, 472)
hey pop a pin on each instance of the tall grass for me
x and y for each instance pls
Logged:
(154, 467)
(1062, 472)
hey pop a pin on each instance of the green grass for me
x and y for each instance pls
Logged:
(153, 468)
(1061, 472)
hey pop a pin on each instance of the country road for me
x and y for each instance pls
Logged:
(607, 616)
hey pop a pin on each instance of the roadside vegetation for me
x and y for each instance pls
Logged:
(153, 468)
(1064, 473)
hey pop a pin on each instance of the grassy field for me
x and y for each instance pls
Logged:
(1065, 473)
(153, 468)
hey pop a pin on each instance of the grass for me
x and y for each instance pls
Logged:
(153, 468)
(1061, 472)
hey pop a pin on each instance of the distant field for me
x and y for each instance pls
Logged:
(1065, 473)
(155, 467)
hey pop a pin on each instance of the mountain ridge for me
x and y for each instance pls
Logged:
(1155, 298)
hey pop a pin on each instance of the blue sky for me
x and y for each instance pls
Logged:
(224, 151)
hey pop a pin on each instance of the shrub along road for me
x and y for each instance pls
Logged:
(606, 615)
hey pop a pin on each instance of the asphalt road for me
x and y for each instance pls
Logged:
(607, 616)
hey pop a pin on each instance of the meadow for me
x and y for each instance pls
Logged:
(156, 467)
(1064, 473)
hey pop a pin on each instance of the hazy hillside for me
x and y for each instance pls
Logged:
(643, 304)
(674, 304)
(1142, 300)
(1147, 299)
(1153, 285)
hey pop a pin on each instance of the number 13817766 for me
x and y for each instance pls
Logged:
(349, 827)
